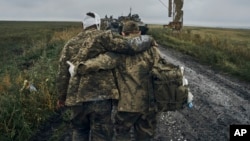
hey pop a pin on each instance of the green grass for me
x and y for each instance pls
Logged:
(29, 51)
(227, 50)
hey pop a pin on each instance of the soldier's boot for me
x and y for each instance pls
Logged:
(80, 135)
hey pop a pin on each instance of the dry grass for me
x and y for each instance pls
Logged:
(239, 35)
(5, 83)
(65, 35)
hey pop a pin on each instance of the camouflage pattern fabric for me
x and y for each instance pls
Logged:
(81, 88)
(85, 91)
(135, 81)
(133, 72)
(94, 116)
(91, 90)
(133, 75)
(170, 93)
(144, 126)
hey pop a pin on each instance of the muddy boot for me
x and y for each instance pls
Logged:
(80, 135)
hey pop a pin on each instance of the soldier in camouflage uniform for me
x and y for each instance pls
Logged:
(89, 96)
(133, 72)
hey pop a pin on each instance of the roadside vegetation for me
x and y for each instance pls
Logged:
(30, 51)
(225, 50)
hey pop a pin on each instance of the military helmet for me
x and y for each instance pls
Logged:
(130, 26)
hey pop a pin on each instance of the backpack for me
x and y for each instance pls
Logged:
(169, 92)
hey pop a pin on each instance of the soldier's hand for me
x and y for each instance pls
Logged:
(81, 69)
(60, 104)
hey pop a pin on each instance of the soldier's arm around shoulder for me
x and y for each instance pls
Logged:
(106, 61)
(141, 43)
(113, 42)
(126, 45)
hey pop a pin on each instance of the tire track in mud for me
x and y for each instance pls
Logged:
(219, 101)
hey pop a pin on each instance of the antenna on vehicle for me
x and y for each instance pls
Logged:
(130, 12)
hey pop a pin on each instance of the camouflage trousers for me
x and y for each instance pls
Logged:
(92, 121)
(143, 126)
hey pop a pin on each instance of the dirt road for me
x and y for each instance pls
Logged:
(219, 101)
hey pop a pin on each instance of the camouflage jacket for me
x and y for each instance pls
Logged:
(134, 77)
(95, 85)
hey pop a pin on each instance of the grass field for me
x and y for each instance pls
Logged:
(226, 50)
(30, 51)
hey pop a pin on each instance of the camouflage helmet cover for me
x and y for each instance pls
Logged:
(130, 26)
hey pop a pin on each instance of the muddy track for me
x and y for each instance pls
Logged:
(219, 101)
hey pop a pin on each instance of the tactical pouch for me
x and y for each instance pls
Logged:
(169, 92)
(169, 97)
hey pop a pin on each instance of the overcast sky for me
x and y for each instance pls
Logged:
(225, 13)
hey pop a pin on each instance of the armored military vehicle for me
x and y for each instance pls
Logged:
(116, 24)
(134, 17)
